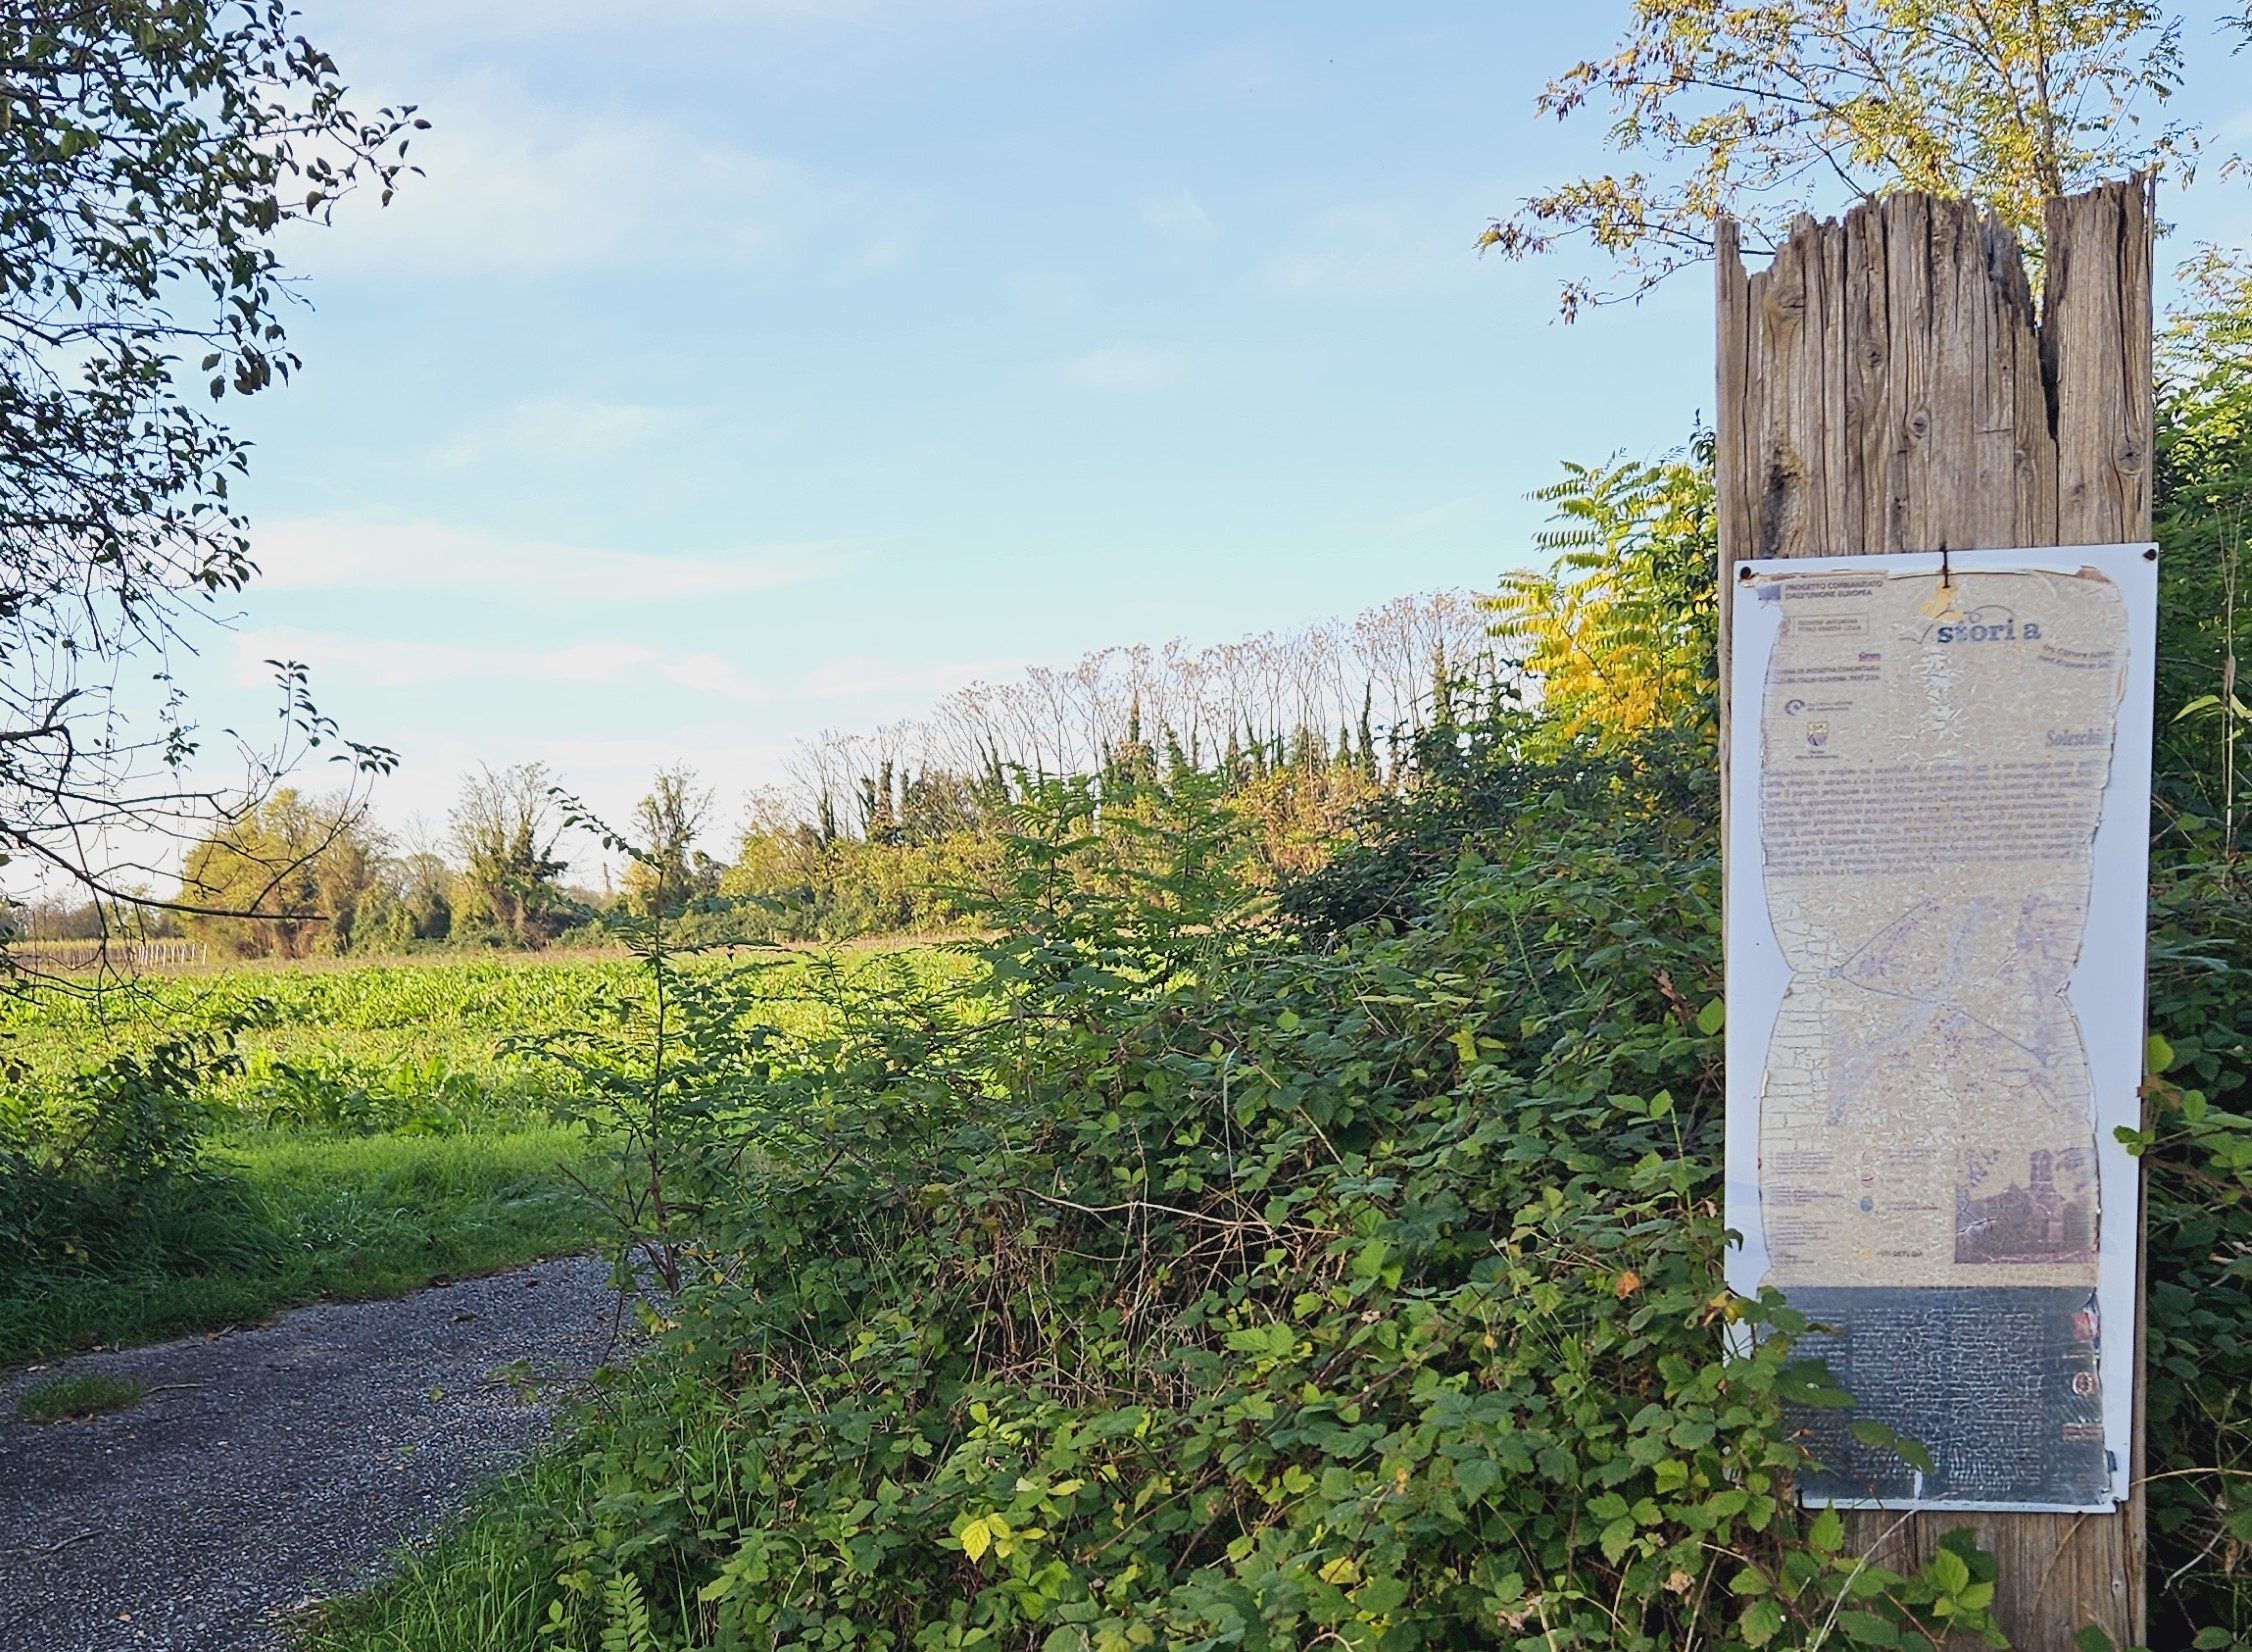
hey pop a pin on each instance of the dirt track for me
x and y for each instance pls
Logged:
(267, 1468)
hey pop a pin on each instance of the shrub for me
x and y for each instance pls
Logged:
(103, 1178)
(1165, 1284)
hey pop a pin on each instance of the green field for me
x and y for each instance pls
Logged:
(349, 1131)
(397, 1033)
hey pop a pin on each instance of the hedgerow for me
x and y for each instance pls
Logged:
(1168, 1282)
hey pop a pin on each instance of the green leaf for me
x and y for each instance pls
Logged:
(2091, 1637)
(1947, 1572)
(1882, 1438)
(1475, 1476)
(1712, 1017)
(1762, 1621)
(2158, 1055)
(1827, 1535)
(1617, 1537)
(1808, 1382)
(1867, 1629)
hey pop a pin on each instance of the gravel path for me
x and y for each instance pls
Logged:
(269, 1467)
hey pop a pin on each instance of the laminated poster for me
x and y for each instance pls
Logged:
(1939, 795)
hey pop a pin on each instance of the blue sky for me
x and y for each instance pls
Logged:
(741, 369)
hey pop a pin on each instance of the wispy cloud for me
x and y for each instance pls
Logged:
(1179, 214)
(515, 186)
(393, 662)
(1448, 513)
(315, 554)
(865, 676)
(936, 21)
(1048, 294)
(1375, 250)
(562, 428)
(1238, 67)
(1125, 367)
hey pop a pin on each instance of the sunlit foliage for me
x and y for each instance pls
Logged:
(1761, 109)
(1618, 635)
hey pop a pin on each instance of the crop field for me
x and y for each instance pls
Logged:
(201, 1149)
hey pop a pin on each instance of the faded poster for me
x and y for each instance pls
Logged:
(1932, 761)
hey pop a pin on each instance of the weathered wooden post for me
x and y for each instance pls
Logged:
(1888, 386)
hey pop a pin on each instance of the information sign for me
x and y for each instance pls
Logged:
(1939, 796)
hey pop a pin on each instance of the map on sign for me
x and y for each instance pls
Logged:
(1939, 781)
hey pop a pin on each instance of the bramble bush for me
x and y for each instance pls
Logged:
(1167, 1276)
(1166, 1281)
(104, 1178)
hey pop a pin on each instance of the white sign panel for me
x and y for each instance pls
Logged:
(1939, 797)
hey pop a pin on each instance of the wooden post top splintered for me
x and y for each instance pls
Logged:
(1888, 384)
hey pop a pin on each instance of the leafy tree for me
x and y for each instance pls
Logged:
(1758, 110)
(283, 879)
(669, 871)
(2204, 507)
(151, 153)
(505, 830)
(408, 899)
(1620, 635)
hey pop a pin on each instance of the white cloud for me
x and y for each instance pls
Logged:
(1048, 294)
(389, 662)
(1124, 367)
(1239, 67)
(516, 186)
(936, 21)
(316, 554)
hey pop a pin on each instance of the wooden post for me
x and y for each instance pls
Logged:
(1886, 385)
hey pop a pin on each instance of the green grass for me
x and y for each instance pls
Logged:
(484, 1582)
(84, 1394)
(481, 1585)
(390, 1026)
(403, 1032)
(301, 1218)
(375, 1136)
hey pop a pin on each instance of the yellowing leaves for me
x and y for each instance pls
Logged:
(1618, 634)
(975, 1536)
(980, 1535)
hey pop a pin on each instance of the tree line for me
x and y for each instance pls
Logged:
(888, 831)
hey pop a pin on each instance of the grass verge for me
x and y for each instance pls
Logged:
(480, 1585)
(312, 1217)
(80, 1394)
